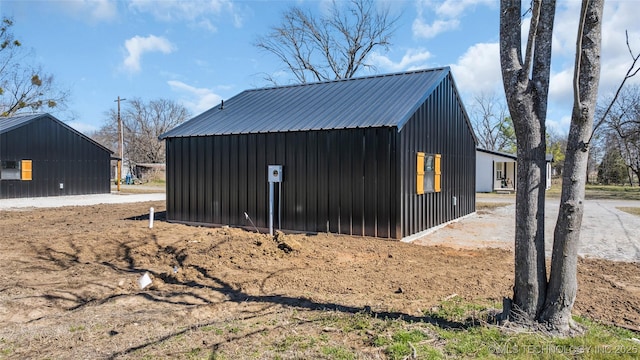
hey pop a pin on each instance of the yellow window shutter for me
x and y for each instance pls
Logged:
(437, 184)
(420, 174)
(27, 170)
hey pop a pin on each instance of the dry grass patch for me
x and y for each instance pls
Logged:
(487, 207)
(631, 210)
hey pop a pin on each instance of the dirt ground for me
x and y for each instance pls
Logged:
(69, 284)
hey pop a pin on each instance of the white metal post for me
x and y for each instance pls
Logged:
(271, 207)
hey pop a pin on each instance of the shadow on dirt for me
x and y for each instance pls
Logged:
(159, 216)
(203, 287)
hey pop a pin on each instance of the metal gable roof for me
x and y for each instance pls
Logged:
(9, 123)
(375, 101)
(13, 122)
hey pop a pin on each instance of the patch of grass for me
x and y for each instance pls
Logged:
(487, 206)
(338, 353)
(359, 321)
(216, 356)
(156, 182)
(457, 309)
(194, 353)
(473, 342)
(631, 210)
(353, 323)
(488, 341)
(612, 192)
(216, 330)
(598, 342)
(602, 192)
(5, 348)
(75, 328)
(233, 329)
(403, 343)
(295, 342)
(460, 330)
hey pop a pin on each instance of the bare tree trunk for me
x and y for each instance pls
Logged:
(527, 100)
(563, 285)
(530, 271)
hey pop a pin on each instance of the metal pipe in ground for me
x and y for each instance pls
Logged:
(271, 208)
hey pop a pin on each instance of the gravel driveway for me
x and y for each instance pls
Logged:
(607, 233)
(81, 200)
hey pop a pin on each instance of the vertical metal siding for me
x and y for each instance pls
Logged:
(358, 183)
(310, 187)
(59, 156)
(370, 177)
(333, 148)
(438, 127)
(343, 178)
(350, 181)
(208, 175)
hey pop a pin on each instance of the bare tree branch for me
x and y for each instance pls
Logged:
(23, 85)
(142, 123)
(631, 72)
(332, 47)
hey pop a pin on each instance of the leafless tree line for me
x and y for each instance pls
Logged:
(142, 123)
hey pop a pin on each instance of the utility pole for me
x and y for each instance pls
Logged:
(120, 145)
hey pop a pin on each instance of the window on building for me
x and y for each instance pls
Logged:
(499, 171)
(428, 173)
(10, 170)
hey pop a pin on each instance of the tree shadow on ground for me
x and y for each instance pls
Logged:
(190, 292)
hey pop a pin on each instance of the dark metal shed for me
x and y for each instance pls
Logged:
(42, 156)
(350, 151)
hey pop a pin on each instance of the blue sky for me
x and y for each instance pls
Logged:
(199, 52)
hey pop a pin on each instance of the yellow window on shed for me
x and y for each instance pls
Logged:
(27, 170)
(437, 184)
(420, 174)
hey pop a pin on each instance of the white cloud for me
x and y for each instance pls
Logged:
(197, 100)
(83, 127)
(196, 12)
(561, 87)
(453, 8)
(95, 10)
(102, 9)
(138, 45)
(447, 15)
(412, 59)
(559, 126)
(428, 31)
(618, 17)
(478, 69)
(615, 60)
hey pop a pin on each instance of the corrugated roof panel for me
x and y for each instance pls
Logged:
(15, 121)
(376, 101)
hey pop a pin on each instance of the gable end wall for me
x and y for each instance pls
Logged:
(439, 126)
(59, 156)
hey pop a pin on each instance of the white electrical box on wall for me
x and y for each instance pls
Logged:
(274, 173)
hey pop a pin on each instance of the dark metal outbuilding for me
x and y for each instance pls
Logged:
(42, 156)
(388, 156)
